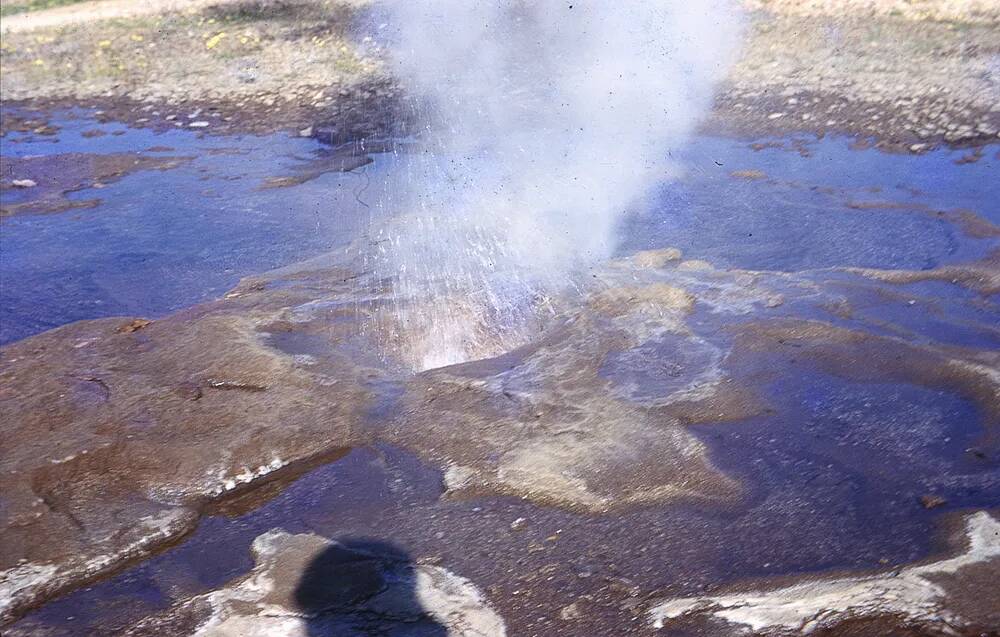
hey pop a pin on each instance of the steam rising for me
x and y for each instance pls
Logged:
(544, 123)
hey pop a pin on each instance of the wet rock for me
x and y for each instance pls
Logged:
(133, 326)
(115, 443)
(90, 484)
(982, 276)
(931, 501)
(933, 597)
(836, 350)
(457, 477)
(571, 612)
(78, 524)
(24, 183)
(552, 429)
(52, 177)
(189, 391)
(656, 258)
(306, 585)
(695, 264)
(341, 160)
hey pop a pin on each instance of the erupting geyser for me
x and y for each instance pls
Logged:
(543, 123)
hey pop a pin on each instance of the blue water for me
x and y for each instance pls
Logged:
(163, 240)
(829, 472)
(797, 218)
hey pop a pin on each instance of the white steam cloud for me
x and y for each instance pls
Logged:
(544, 123)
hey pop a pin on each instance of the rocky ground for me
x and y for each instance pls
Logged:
(570, 420)
(681, 449)
(909, 75)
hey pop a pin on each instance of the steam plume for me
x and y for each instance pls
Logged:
(545, 123)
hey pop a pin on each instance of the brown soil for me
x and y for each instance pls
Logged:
(909, 76)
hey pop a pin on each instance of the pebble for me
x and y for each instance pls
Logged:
(570, 612)
(24, 183)
(198, 124)
(775, 115)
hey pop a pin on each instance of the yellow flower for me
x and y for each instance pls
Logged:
(136, 37)
(214, 40)
(104, 44)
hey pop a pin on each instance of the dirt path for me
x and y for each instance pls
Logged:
(95, 10)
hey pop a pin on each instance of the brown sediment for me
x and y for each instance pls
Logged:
(861, 356)
(749, 174)
(970, 223)
(48, 206)
(656, 258)
(341, 162)
(983, 276)
(660, 297)
(568, 442)
(133, 326)
(56, 176)
(731, 402)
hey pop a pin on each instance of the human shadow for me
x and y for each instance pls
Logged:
(363, 586)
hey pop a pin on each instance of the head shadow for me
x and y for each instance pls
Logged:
(363, 586)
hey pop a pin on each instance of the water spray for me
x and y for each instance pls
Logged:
(542, 125)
